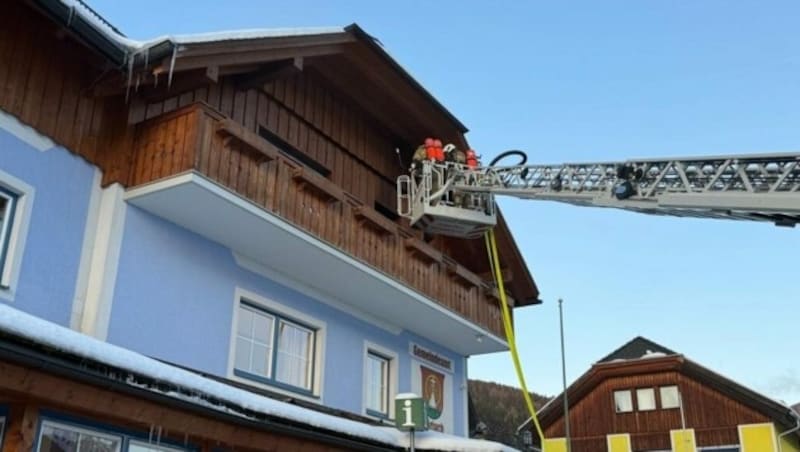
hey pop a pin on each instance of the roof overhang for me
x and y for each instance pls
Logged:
(196, 203)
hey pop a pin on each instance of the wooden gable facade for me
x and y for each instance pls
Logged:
(314, 128)
(712, 405)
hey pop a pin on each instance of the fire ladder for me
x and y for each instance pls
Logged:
(454, 200)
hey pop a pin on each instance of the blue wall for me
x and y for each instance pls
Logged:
(62, 183)
(174, 300)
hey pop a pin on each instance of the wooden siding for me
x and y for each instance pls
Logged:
(713, 416)
(305, 113)
(199, 138)
(44, 78)
(27, 392)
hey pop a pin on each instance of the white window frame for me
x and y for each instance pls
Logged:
(661, 397)
(80, 430)
(270, 306)
(639, 404)
(614, 400)
(18, 233)
(392, 358)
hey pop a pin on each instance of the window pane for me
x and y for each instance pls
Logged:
(92, 443)
(294, 355)
(55, 439)
(646, 399)
(670, 397)
(245, 327)
(377, 382)
(6, 205)
(261, 360)
(262, 329)
(623, 402)
(243, 350)
(137, 446)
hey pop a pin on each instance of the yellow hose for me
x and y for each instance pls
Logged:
(494, 261)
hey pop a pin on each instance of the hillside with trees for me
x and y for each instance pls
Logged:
(501, 408)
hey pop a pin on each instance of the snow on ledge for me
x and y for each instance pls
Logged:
(34, 329)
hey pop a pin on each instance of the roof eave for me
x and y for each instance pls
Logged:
(372, 43)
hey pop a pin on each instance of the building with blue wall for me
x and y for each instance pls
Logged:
(218, 224)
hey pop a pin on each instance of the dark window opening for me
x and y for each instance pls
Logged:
(292, 152)
(386, 211)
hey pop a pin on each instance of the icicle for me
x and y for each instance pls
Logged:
(155, 80)
(158, 436)
(172, 66)
(71, 15)
(138, 80)
(130, 57)
(146, 52)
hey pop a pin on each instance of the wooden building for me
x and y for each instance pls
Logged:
(162, 194)
(645, 397)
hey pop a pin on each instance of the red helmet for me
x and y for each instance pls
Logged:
(429, 142)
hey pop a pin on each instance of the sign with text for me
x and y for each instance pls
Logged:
(431, 357)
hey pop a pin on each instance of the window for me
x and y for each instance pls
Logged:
(623, 402)
(292, 152)
(646, 399)
(377, 384)
(670, 397)
(62, 438)
(8, 202)
(274, 349)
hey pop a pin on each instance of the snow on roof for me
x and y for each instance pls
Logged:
(40, 331)
(78, 7)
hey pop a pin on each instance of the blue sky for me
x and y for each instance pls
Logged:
(582, 81)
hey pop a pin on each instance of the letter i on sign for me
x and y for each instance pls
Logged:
(409, 420)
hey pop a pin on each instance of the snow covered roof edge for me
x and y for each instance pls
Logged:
(40, 331)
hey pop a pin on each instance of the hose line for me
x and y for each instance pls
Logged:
(494, 261)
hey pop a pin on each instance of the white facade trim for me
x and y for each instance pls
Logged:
(19, 233)
(25, 133)
(102, 275)
(87, 251)
(465, 395)
(281, 278)
(394, 361)
(320, 327)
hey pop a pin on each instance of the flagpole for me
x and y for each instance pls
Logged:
(564, 374)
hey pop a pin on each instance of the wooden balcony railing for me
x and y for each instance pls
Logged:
(198, 138)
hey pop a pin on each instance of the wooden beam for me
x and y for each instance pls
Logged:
(269, 73)
(185, 62)
(126, 411)
(154, 86)
(20, 431)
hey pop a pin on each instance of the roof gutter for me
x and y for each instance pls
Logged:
(65, 16)
(45, 362)
(791, 430)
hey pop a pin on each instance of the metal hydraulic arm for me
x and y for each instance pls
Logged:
(738, 187)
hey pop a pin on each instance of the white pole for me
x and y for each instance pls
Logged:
(564, 374)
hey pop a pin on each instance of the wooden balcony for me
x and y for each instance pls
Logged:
(199, 139)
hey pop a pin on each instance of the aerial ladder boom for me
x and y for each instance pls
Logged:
(453, 199)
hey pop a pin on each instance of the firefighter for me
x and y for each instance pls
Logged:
(472, 159)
